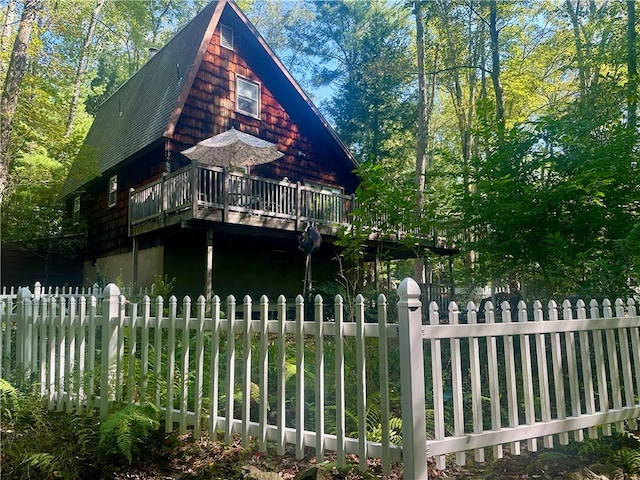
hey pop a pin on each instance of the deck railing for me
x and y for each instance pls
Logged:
(201, 187)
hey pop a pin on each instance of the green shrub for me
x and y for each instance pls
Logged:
(42, 444)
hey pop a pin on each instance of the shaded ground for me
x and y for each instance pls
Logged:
(185, 458)
(57, 446)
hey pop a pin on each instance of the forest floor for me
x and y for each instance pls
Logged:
(54, 445)
(182, 457)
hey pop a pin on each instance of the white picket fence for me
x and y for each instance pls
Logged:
(39, 291)
(68, 292)
(332, 384)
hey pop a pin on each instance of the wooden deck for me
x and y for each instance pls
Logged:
(215, 194)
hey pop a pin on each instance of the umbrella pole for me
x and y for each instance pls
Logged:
(307, 275)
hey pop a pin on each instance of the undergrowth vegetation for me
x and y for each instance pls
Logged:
(126, 431)
(42, 444)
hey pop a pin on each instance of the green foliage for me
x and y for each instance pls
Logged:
(20, 405)
(375, 429)
(628, 459)
(38, 443)
(350, 45)
(162, 286)
(621, 450)
(32, 217)
(555, 204)
(124, 431)
(40, 463)
(8, 398)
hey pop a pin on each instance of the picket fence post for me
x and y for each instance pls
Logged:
(412, 387)
(24, 333)
(110, 312)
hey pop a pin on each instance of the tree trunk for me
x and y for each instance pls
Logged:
(464, 107)
(15, 75)
(84, 52)
(423, 131)
(423, 120)
(577, 40)
(632, 66)
(7, 28)
(495, 69)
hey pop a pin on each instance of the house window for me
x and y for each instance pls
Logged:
(75, 215)
(113, 190)
(247, 97)
(226, 37)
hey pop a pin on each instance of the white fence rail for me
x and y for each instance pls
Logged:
(329, 384)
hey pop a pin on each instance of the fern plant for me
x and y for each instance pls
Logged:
(125, 430)
(628, 459)
(8, 398)
(20, 405)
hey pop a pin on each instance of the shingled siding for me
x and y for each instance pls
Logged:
(107, 227)
(210, 109)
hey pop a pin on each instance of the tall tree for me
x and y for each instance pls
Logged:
(423, 107)
(594, 30)
(50, 119)
(6, 30)
(463, 34)
(362, 51)
(127, 32)
(496, 79)
(426, 98)
(13, 81)
(632, 66)
(82, 61)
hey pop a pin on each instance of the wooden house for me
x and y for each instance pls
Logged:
(149, 211)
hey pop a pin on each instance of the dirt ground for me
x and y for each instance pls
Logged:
(174, 457)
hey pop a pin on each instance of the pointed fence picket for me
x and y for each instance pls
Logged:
(318, 377)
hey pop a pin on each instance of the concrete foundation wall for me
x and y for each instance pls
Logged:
(119, 268)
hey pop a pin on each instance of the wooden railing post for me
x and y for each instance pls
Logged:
(298, 206)
(226, 187)
(412, 388)
(130, 219)
(110, 313)
(164, 199)
(195, 189)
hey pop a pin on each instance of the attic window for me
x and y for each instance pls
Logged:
(247, 97)
(226, 37)
(113, 190)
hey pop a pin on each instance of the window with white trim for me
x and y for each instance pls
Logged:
(113, 190)
(247, 96)
(76, 210)
(226, 37)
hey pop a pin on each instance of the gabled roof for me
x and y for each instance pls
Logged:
(144, 110)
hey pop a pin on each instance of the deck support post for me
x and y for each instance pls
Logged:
(134, 261)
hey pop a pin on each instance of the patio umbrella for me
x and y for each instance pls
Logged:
(233, 148)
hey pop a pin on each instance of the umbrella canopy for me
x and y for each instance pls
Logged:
(233, 148)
